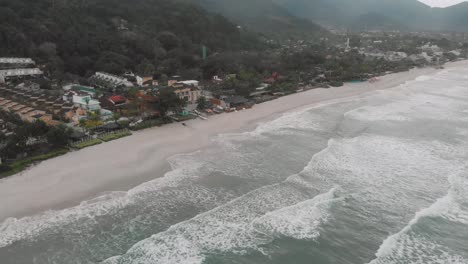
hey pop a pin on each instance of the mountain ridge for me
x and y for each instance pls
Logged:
(410, 14)
(264, 16)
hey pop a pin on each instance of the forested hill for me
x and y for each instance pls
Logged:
(83, 36)
(263, 16)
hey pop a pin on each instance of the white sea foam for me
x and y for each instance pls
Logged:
(436, 106)
(244, 224)
(413, 247)
(13, 229)
(300, 221)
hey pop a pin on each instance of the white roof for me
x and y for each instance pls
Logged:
(189, 82)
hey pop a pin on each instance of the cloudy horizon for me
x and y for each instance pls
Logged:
(442, 3)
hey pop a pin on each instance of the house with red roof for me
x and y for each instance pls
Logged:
(114, 102)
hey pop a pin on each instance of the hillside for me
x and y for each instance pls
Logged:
(263, 16)
(454, 17)
(81, 37)
(379, 14)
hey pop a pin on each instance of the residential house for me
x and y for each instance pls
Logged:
(86, 102)
(145, 103)
(76, 114)
(189, 94)
(273, 78)
(237, 102)
(192, 83)
(114, 102)
(134, 79)
(149, 81)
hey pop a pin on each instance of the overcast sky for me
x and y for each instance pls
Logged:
(442, 3)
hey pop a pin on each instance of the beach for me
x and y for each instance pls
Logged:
(355, 174)
(120, 165)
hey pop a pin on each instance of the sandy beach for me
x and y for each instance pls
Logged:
(122, 164)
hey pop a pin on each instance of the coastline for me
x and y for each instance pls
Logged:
(125, 163)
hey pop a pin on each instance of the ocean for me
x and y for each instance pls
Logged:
(381, 178)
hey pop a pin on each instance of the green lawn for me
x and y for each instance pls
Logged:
(148, 124)
(88, 143)
(115, 136)
(20, 165)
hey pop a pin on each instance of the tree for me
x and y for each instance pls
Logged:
(58, 136)
(48, 49)
(169, 40)
(82, 122)
(116, 117)
(145, 68)
(169, 101)
(201, 103)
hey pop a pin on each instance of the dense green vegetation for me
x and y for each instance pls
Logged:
(20, 165)
(146, 36)
(114, 136)
(87, 143)
(263, 16)
(148, 124)
(32, 138)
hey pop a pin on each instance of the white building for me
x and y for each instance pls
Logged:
(192, 83)
(85, 102)
(113, 79)
(16, 61)
(19, 72)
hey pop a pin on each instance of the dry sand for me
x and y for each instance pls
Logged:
(125, 163)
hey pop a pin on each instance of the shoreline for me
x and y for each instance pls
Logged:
(122, 164)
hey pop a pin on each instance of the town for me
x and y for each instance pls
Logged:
(42, 117)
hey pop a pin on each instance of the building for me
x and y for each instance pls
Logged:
(11, 73)
(237, 102)
(24, 61)
(114, 102)
(189, 94)
(17, 68)
(81, 88)
(76, 114)
(112, 80)
(86, 102)
(191, 83)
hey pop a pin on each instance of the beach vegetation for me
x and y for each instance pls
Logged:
(19, 165)
(149, 124)
(202, 103)
(87, 143)
(169, 101)
(115, 135)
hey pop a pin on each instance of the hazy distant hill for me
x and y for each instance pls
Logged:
(380, 14)
(454, 17)
(259, 15)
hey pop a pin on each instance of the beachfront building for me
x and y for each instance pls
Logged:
(237, 102)
(189, 94)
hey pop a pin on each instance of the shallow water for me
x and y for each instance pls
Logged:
(380, 178)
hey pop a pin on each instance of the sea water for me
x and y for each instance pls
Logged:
(381, 178)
